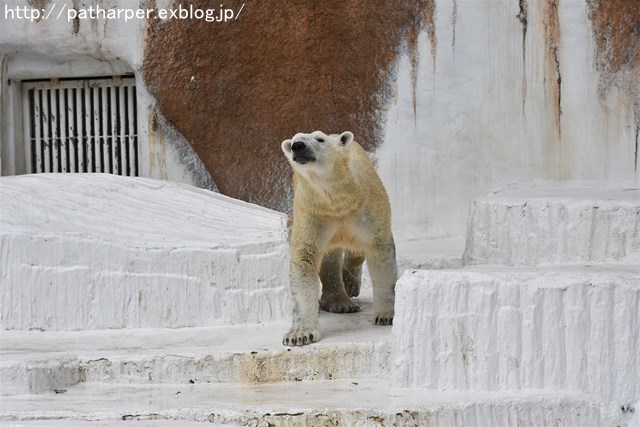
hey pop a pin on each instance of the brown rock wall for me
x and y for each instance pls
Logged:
(235, 90)
(616, 31)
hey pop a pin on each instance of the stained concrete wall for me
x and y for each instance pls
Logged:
(452, 97)
(514, 91)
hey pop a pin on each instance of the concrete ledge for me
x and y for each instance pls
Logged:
(430, 254)
(38, 362)
(39, 376)
(500, 329)
(362, 403)
(101, 251)
(562, 224)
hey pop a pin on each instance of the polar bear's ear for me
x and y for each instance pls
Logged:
(286, 146)
(346, 138)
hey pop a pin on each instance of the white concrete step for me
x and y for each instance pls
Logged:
(565, 223)
(430, 254)
(318, 403)
(94, 251)
(39, 362)
(490, 328)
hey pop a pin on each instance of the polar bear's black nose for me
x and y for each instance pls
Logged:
(298, 146)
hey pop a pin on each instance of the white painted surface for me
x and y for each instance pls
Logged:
(485, 114)
(100, 251)
(504, 329)
(545, 224)
(364, 402)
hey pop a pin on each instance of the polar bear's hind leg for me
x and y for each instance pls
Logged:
(334, 297)
(352, 272)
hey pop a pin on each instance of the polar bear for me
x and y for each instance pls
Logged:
(341, 215)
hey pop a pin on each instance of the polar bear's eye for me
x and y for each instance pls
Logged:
(320, 139)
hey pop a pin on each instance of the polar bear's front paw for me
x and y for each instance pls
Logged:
(384, 318)
(300, 336)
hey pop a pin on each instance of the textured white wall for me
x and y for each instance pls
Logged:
(169, 256)
(569, 329)
(486, 113)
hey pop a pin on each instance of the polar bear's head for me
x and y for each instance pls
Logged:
(315, 151)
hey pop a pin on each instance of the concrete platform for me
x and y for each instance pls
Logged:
(565, 223)
(158, 254)
(39, 362)
(337, 403)
(488, 328)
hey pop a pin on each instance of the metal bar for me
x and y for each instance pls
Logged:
(39, 132)
(72, 126)
(79, 128)
(106, 127)
(88, 128)
(105, 155)
(97, 146)
(54, 115)
(126, 119)
(63, 144)
(114, 136)
(122, 132)
(46, 114)
(28, 130)
(133, 130)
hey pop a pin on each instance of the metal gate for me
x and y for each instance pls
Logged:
(87, 125)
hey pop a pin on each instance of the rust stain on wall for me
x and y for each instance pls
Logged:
(157, 145)
(454, 20)
(553, 75)
(39, 5)
(76, 21)
(424, 18)
(235, 90)
(616, 31)
(523, 17)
